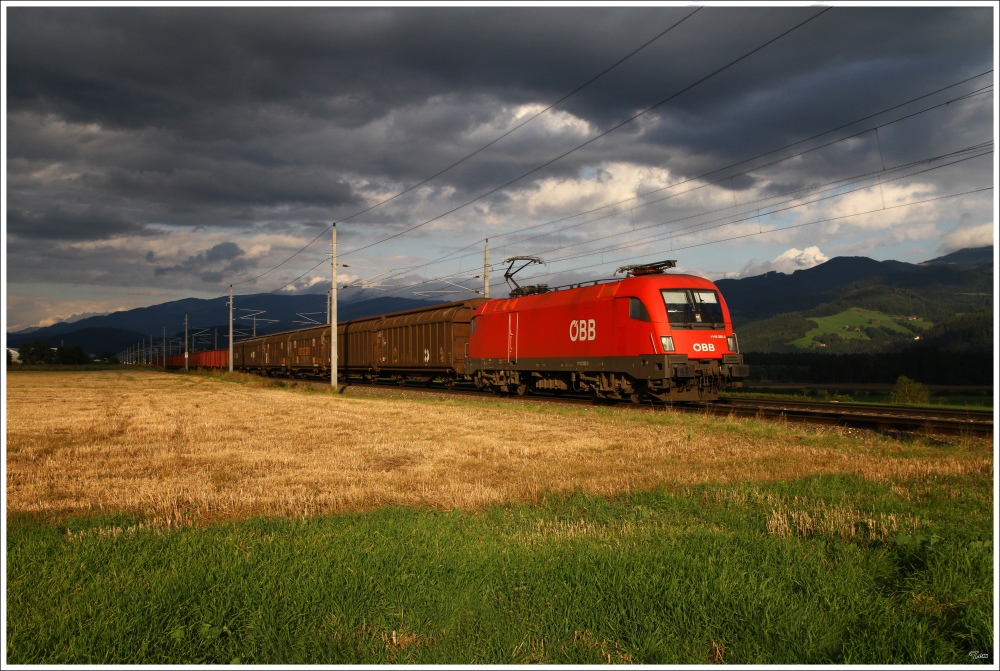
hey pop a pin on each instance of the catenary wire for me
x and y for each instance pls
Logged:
(484, 147)
(685, 181)
(451, 256)
(593, 139)
(755, 216)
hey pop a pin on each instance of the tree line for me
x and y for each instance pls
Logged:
(39, 351)
(927, 364)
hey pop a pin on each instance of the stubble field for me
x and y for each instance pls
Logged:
(123, 461)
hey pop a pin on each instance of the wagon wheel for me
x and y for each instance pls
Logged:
(400, 379)
(449, 383)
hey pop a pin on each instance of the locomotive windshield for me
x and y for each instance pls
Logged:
(693, 308)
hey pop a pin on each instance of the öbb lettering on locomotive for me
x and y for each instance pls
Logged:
(582, 329)
(652, 335)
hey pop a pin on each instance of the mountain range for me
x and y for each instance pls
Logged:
(946, 301)
(857, 305)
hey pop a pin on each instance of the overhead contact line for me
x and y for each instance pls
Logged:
(477, 151)
(597, 137)
(759, 213)
(451, 255)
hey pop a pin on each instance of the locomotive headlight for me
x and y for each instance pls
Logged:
(733, 345)
(668, 343)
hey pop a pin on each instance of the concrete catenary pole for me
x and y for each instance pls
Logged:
(164, 347)
(486, 270)
(230, 328)
(185, 341)
(333, 309)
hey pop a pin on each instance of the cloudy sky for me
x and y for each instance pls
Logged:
(156, 153)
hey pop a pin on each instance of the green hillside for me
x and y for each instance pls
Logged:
(861, 325)
(936, 307)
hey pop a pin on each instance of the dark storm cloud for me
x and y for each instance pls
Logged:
(272, 122)
(226, 184)
(227, 115)
(137, 67)
(57, 223)
(211, 265)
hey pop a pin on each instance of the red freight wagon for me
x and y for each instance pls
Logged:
(218, 358)
(661, 335)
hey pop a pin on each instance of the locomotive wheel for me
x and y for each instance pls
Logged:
(521, 389)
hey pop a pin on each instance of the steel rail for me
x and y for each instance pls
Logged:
(859, 415)
(882, 418)
(877, 408)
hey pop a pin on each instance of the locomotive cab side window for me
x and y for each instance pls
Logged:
(693, 308)
(636, 310)
(472, 326)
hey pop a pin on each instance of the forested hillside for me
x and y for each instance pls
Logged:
(946, 304)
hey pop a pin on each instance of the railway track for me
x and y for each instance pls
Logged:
(940, 421)
(882, 418)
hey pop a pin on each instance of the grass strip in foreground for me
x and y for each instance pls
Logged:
(823, 570)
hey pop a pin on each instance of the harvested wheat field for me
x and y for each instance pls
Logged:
(191, 449)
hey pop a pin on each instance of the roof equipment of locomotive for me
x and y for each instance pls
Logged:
(517, 290)
(647, 268)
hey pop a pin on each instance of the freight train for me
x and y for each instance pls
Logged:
(651, 335)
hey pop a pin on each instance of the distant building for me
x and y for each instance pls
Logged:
(15, 356)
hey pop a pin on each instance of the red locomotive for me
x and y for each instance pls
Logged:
(651, 335)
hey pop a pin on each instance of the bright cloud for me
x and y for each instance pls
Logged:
(787, 262)
(962, 237)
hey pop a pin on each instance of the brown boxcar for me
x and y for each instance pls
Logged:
(421, 344)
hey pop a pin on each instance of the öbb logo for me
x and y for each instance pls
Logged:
(706, 347)
(582, 329)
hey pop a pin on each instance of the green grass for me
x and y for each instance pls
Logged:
(672, 577)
